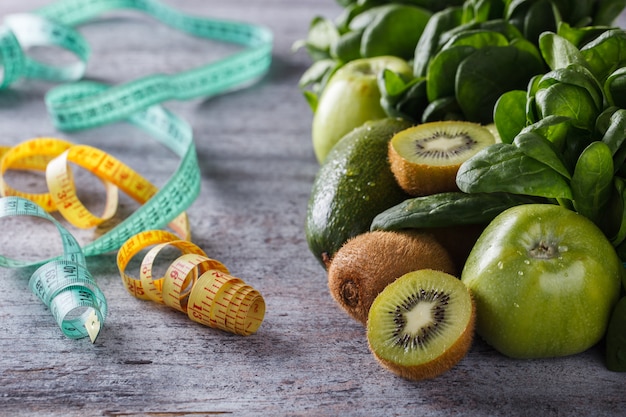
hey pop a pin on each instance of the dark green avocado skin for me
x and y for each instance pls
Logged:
(352, 186)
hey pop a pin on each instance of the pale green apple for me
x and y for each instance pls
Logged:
(545, 280)
(351, 98)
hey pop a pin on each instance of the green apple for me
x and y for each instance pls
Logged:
(351, 98)
(545, 280)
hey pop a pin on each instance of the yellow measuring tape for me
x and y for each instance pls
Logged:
(195, 284)
(53, 156)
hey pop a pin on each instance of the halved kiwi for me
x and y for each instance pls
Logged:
(422, 324)
(368, 262)
(425, 158)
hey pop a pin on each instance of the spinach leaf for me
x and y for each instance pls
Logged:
(579, 35)
(592, 180)
(442, 71)
(539, 18)
(558, 52)
(614, 217)
(478, 38)
(615, 137)
(509, 114)
(615, 87)
(569, 101)
(401, 97)
(578, 75)
(541, 149)
(505, 168)
(553, 128)
(487, 74)
(615, 134)
(606, 53)
(348, 46)
(428, 44)
(447, 209)
(616, 338)
(445, 108)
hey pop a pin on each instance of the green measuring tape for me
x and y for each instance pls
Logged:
(64, 283)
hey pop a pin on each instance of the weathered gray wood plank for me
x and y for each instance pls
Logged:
(308, 358)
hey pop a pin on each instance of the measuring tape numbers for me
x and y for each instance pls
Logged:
(194, 284)
(69, 290)
(64, 284)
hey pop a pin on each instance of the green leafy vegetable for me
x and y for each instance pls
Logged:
(447, 209)
(506, 168)
(592, 180)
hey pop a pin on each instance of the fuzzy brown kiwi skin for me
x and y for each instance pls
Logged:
(443, 363)
(422, 180)
(368, 262)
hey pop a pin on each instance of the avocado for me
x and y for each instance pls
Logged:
(352, 186)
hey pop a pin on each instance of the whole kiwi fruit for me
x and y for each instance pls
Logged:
(368, 262)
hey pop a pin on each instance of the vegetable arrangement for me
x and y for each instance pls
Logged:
(549, 78)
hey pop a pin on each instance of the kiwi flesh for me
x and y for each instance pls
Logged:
(426, 158)
(422, 324)
(370, 261)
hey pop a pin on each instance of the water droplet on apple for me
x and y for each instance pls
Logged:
(500, 265)
(563, 248)
(520, 273)
(526, 261)
(516, 305)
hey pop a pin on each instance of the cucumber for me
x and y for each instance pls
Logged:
(352, 186)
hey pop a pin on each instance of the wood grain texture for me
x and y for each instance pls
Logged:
(308, 358)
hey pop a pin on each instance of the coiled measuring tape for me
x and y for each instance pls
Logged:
(65, 284)
(194, 284)
(82, 105)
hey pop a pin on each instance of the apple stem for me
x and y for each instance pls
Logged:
(544, 250)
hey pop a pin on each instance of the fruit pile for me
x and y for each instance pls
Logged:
(472, 176)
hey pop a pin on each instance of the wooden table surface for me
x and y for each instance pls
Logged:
(257, 164)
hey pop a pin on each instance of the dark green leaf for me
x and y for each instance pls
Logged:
(592, 180)
(576, 141)
(575, 75)
(395, 31)
(428, 44)
(348, 46)
(614, 221)
(579, 35)
(505, 168)
(558, 52)
(510, 114)
(442, 71)
(615, 135)
(553, 128)
(487, 74)
(539, 18)
(569, 101)
(445, 108)
(447, 209)
(606, 53)
(616, 338)
(478, 38)
(541, 149)
(615, 88)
